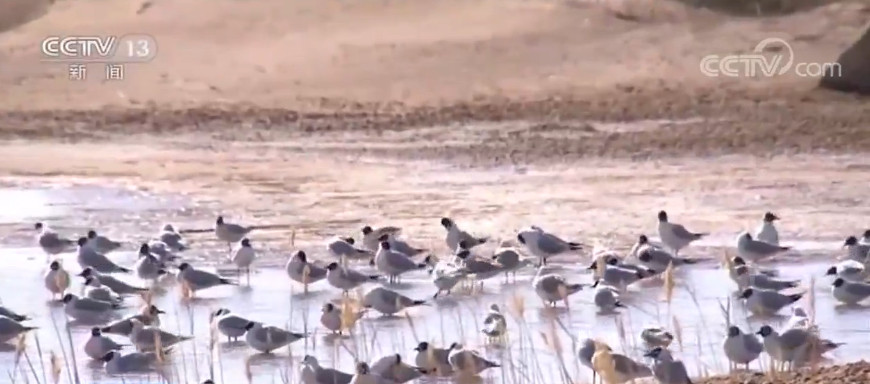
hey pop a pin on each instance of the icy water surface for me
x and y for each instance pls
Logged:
(273, 299)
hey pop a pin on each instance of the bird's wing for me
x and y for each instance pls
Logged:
(681, 232)
(793, 338)
(551, 244)
(199, 277)
(87, 304)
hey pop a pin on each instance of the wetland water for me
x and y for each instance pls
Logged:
(273, 299)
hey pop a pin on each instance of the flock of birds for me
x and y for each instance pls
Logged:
(158, 263)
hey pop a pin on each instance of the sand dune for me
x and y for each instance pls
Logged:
(280, 53)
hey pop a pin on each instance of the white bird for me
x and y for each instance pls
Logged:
(455, 235)
(482, 269)
(675, 236)
(196, 279)
(50, 241)
(243, 257)
(754, 250)
(446, 276)
(606, 298)
(746, 279)
(333, 319)
(624, 368)
(388, 302)
(344, 249)
(146, 337)
(371, 236)
(88, 310)
(148, 315)
(229, 232)
(795, 346)
(850, 270)
(510, 260)
(391, 367)
(656, 258)
(618, 277)
(229, 324)
(95, 290)
(312, 373)
(667, 370)
(467, 362)
(12, 314)
(622, 264)
(266, 339)
(765, 302)
(98, 345)
(737, 261)
(162, 252)
(10, 329)
(88, 256)
(656, 337)
(767, 232)
(113, 283)
(364, 376)
(345, 278)
(169, 236)
(494, 324)
(117, 364)
(857, 252)
(401, 246)
(798, 319)
(56, 279)
(434, 359)
(147, 266)
(392, 263)
(301, 271)
(552, 287)
(100, 243)
(544, 245)
(849, 292)
(741, 348)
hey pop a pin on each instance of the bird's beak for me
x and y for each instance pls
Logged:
(758, 333)
(82, 274)
(775, 217)
(592, 266)
(160, 311)
(417, 349)
(648, 354)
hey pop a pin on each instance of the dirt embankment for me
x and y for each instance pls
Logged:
(380, 66)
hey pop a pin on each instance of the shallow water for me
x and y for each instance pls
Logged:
(272, 298)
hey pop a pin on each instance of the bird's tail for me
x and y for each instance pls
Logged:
(30, 328)
(795, 297)
(227, 281)
(619, 305)
(481, 240)
(574, 287)
(493, 364)
(699, 235)
(689, 261)
(20, 318)
(793, 284)
(422, 265)
(298, 335)
(784, 248)
(124, 270)
(374, 277)
(575, 246)
(419, 302)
